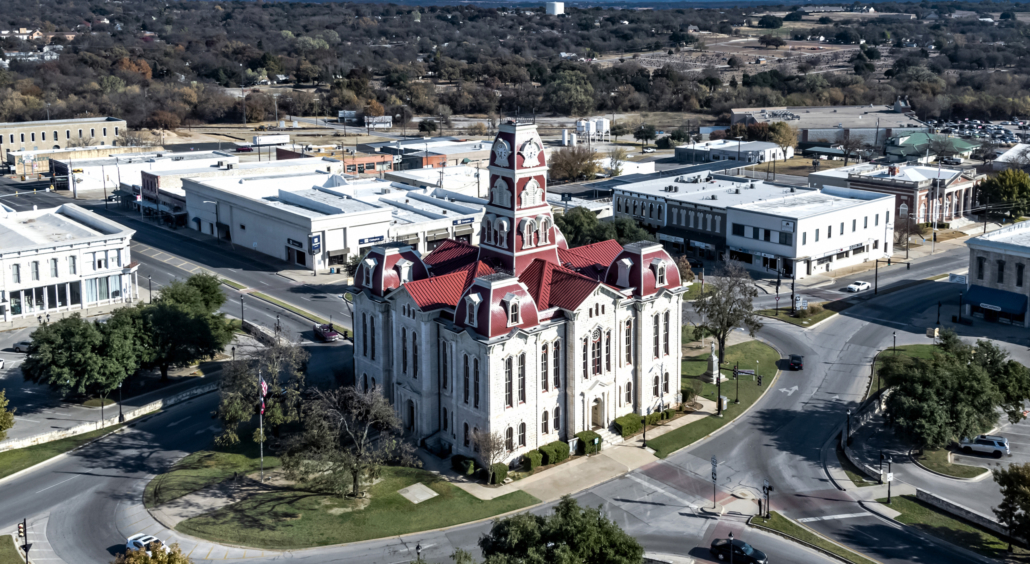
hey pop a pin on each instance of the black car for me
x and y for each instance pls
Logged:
(742, 552)
(797, 362)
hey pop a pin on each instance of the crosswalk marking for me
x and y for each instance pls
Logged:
(834, 517)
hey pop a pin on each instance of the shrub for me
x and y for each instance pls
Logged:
(803, 313)
(555, 452)
(689, 395)
(500, 471)
(532, 459)
(458, 463)
(468, 467)
(628, 425)
(815, 309)
(586, 442)
(669, 413)
(654, 418)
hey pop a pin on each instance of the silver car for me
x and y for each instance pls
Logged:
(986, 444)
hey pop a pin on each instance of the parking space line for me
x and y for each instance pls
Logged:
(834, 517)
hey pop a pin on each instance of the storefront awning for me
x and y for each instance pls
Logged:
(996, 300)
(463, 230)
(339, 253)
(410, 237)
(437, 235)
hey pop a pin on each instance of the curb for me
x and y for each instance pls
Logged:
(979, 478)
(818, 549)
(972, 556)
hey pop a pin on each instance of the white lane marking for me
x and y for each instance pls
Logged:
(834, 517)
(57, 484)
(789, 391)
(23, 419)
(664, 491)
(179, 421)
(211, 428)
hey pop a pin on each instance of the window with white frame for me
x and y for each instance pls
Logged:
(403, 267)
(34, 269)
(16, 273)
(53, 268)
(659, 269)
(511, 306)
(370, 266)
(72, 266)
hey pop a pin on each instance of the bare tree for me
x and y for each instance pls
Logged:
(728, 304)
(349, 436)
(683, 265)
(987, 151)
(616, 156)
(81, 142)
(849, 144)
(491, 449)
(785, 137)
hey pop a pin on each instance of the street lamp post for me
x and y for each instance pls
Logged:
(888, 479)
(894, 349)
(960, 307)
(241, 312)
(736, 376)
(718, 388)
(121, 416)
(234, 354)
(938, 312)
(731, 547)
(881, 467)
(847, 438)
(646, 413)
(150, 289)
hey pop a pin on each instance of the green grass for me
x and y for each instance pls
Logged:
(348, 296)
(937, 277)
(204, 468)
(294, 309)
(922, 352)
(694, 291)
(944, 526)
(232, 284)
(8, 553)
(824, 311)
(779, 523)
(937, 460)
(694, 367)
(16, 460)
(97, 402)
(856, 475)
(297, 519)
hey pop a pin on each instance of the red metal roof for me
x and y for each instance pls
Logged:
(437, 292)
(591, 260)
(554, 286)
(450, 256)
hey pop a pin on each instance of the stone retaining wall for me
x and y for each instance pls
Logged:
(962, 511)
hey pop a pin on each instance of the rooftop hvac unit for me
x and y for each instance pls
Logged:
(736, 191)
(221, 164)
(176, 158)
(715, 196)
(229, 166)
(160, 154)
(792, 190)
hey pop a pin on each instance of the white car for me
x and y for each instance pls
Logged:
(986, 444)
(143, 541)
(649, 149)
(858, 286)
(22, 346)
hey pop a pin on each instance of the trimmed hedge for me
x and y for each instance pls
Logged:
(555, 452)
(668, 413)
(654, 418)
(500, 472)
(468, 467)
(532, 459)
(586, 442)
(628, 425)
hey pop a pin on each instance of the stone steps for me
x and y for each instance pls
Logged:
(608, 437)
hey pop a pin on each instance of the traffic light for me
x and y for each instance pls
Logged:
(21, 530)
(759, 380)
(888, 262)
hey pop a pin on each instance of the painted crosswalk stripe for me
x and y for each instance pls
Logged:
(833, 517)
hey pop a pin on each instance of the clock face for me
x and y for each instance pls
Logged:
(531, 153)
(501, 153)
(597, 335)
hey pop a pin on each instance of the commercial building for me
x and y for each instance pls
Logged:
(62, 260)
(555, 8)
(318, 220)
(464, 179)
(431, 152)
(114, 172)
(59, 133)
(689, 211)
(997, 288)
(355, 162)
(732, 150)
(38, 162)
(915, 147)
(923, 191)
(162, 189)
(1016, 157)
(521, 336)
(810, 232)
(872, 124)
(560, 203)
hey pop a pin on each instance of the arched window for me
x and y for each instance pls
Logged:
(445, 373)
(522, 378)
(544, 422)
(475, 443)
(466, 371)
(629, 342)
(608, 351)
(528, 230)
(513, 312)
(634, 208)
(557, 364)
(486, 230)
(522, 434)
(665, 383)
(557, 419)
(586, 359)
(364, 380)
(544, 224)
(656, 334)
(445, 419)
(466, 439)
(414, 355)
(509, 397)
(655, 390)
(364, 334)
(501, 228)
(404, 350)
(659, 211)
(475, 375)
(666, 332)
(544, 366)
(629, 393)
(661, 274)
(595, 352)
(373, 383)
(650, 210)
(509, 439)
(372, 335)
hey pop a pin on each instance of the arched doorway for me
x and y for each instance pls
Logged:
(409, 423)
(597, 414)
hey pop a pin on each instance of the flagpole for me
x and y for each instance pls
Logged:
(261, 423)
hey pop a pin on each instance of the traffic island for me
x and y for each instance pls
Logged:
(9, 553)
(749, 355)
(791, 530)
(940, 462)
(815, 314)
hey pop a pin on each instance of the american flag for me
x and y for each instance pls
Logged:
(262, 406)
(264, 388)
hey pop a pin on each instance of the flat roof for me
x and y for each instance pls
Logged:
(829, 117)
(53, 226)
(244, 167)
(910, 173)
(157, 157)
(730, 144)
(1015, 239)
(712, 190)
(412, 141)
(51, 122)
(1011, 154)
(65, 150)
(806, 204)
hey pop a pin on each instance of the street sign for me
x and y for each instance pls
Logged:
(765, 485)
(890, 476)
(713, 475)
(804, 304)
(715, 463)
(777, 298)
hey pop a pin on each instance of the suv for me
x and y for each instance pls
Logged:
(986, 444)
(143, 541)
(797, 362)
(951, 161)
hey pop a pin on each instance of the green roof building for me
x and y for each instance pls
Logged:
(913, 147)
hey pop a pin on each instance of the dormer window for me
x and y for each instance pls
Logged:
(500, 195)
(370, 266)
(624, 267)
(659, 268)
(511, 307)
(532, 194)
(528, 230)
(544, 229)
(403, 268)
(471, 309)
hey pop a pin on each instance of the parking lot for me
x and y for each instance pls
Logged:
(1019, 446)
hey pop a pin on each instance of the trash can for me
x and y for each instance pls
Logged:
(725, 402)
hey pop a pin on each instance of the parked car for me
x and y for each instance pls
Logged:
(327, 333)
(858, 286)
(143, 541)
(743, 552)
(22, 346)
(951, 161)
(649, 149)
(986, 444)
(796, 362)
(244, 149)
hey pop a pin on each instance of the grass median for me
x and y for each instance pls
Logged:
(303, 313)
(8, 552)
(202, 469)
(942, 525)
(937, 460)
(815, 314)
(16, 460)
(294, 519)
(780, 523)
(694, 367)
(232, 284)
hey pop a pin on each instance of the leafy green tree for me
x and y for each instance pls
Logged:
(176, 556)
(769, 21)
(181, 335)
(771, 41)
(570, 535)
(202, 292)
(427, 126)
(728, 304)
(6, 415)
(570, 93)
(794, 16)
(70, 356)
(1010, 186)
(580, 226)
(1014, 509)
(646, 132)
(619, 129)
(281, 366)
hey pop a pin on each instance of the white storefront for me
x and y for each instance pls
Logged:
(63, 259)
(816, 231)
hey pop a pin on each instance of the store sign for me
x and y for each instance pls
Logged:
(315, 242)
(370, 240)
(700, 245)
(990, 307)
(669, 238)
(856, 246)
(958, 279)
(293, 243)
(756, 253)
(465, 221)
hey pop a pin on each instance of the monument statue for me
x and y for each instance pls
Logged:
(713, 367)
